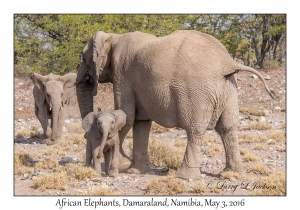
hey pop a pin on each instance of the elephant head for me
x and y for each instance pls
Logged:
(55, 90)
(95, 67)
(104, 125)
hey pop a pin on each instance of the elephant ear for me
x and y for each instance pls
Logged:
(89, 123)
(100, 50)
(69, 86)
(120, 118)
(39, 86)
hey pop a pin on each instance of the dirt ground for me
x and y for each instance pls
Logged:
(252, 96)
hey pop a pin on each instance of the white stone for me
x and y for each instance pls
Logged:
(270, 141)
(262, 119)
(67, 121)
(254, 76)
(267, 77)
(277, 108)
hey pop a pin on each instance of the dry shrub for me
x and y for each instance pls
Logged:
(271, 64)
(129, 134)
(248, 156)
(215, 189)
(259, 168)
(156, 128)
(79, 171)
(75, 128)
(276, 185)
(199, 187)
(22, 163)
(48, 164)
(280, 148)
(166, 186)
(259, 147)
(283, 126)
(28, 132)
(259, 125)
(247, 111)
(229, 174)
(214, 148)
(98, 191)
(57, 180)
(164, 154)
(75, 139)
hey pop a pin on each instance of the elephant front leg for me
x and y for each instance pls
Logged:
(96, 161)
(141, 131)
(42, 115)
(88, 153)
(61, 119)
(111, 157)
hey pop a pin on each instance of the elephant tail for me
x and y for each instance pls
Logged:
(240, 67)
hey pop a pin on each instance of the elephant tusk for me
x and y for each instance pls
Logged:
(50, 108)
(61, 108)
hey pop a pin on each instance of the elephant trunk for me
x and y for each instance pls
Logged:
(55, 112)
(103, 142)
(84, 92)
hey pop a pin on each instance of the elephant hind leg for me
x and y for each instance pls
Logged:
(227, 128)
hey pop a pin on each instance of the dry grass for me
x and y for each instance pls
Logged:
(75, 128)
(214, 148)
(259, 147)
(22, 163)
(248, 156)
(275, 184)
(166, 186)
(247, 111)
(180, 143)
(58, 180)
(259, 125)
(98, 191)
(28, 132)
(259, 168)
(276, 136)
(280, 148)
(50, 150)
(251, 138)
(199, 187)
(215, 189)
(229, 174)
(164, 154)
(80, 172)
(208, 139)
(48, 164)
(156, 128)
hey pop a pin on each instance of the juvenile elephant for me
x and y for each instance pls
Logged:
(185, 79)
(51, 94)
(102, 136)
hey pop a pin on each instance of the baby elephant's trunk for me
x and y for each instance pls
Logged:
(103, 141)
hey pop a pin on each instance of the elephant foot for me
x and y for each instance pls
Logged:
(139, 168)
(238, 170)
(124, 164)
(48, 141)
(188, 173)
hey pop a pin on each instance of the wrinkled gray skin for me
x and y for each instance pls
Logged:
(51, 95)
(102, 134)
(185, 79)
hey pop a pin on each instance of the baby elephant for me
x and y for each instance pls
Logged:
(102, 136)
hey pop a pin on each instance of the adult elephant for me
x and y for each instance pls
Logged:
(181, 80)
(51, 93)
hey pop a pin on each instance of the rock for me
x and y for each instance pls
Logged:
(190, 180)
(262, 119)
(232, 179)
(20, 109)
(71, 120)
(67, 121)
(269, 141)
(266, 112)
(254, 76)
(20, 120)
(253, 85)
(267, 77)
(203, 175)
(66, 160)
(277, 108)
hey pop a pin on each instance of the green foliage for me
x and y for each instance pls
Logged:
(53, 43)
